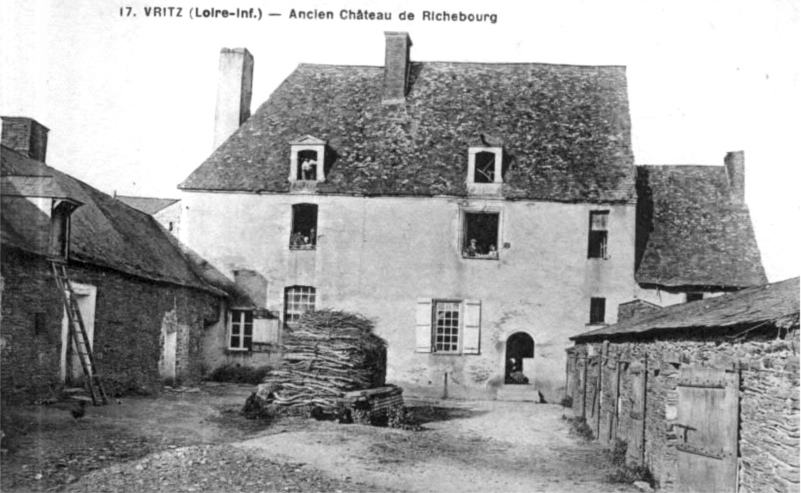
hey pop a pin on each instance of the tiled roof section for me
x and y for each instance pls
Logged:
(776, 303)
(148, 205)
(565, 129)
(698, 236)
(104, 232)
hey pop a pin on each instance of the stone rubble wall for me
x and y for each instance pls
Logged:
(769, 401)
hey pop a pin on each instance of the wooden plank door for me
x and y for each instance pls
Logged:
(707, 423)
(635, 453)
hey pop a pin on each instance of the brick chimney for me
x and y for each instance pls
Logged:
(234, 89)
(26, 136)
(396, 67)
(735, 171)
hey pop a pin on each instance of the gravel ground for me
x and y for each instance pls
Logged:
(211, 468)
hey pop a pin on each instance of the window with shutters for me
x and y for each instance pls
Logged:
(448, 326)
(599, 235)
(297, 301)
(240, 330)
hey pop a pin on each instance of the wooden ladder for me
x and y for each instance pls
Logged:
(77, 335)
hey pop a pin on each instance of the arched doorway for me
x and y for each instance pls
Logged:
(519, 349)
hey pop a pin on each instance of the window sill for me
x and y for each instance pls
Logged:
(237, 350)
(597, 324)
(598, 258)
(440, 353)
(303, 247)
(480, 257)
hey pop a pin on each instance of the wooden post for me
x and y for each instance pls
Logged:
(584, 388)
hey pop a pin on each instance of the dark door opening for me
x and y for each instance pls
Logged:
(518, 347)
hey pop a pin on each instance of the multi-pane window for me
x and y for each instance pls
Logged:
(597, 310)
(304, 227)
(297, 301)
(598, 234)
(241, 333)
(480, 239)
(446, 326)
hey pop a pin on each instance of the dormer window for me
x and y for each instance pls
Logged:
(485, 165)
(307, 160)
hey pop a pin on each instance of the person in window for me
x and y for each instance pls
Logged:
(472, 249)
(307, 167)
(312, 237)
(492, 253)
(296, 240)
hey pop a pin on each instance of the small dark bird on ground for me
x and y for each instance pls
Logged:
(79, 411)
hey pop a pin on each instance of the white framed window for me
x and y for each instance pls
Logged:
(297, 301)
(240, 330)
(599, 235)
(485, 165)
(448, 326)
(307, 160)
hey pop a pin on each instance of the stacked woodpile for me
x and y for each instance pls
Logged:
(329, 354)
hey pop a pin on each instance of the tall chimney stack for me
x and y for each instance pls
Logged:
(396, 67)
(735, 171)
(234, 89)
(26, 136)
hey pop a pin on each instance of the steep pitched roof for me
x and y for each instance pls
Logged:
(566, 132)
(148, 205)
(698, 235)
(776, 303)
(104, 232)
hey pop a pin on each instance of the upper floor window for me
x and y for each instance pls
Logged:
(304, 227)
(480, 235)
(599, 235)
(597, 310)
(307, 160)
(241, 330)
(297, 301)
(485, 165)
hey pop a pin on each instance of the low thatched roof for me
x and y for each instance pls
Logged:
(104, 232)
(698, 235)
(776, 303)
(565, 131)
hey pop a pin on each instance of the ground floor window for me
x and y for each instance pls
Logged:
(297, 301)
(446, 327)
(241, 330)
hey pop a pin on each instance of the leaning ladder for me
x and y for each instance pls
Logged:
(78, 336)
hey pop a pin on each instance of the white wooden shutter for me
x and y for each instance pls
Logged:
(472, 327)
(261, 331)
(423, 326)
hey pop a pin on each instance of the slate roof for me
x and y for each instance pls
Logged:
(148, 205)
(699, 236)
(776, 303)
(104, 232)
(565, 131)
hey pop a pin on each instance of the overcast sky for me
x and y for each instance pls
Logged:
(130, 100)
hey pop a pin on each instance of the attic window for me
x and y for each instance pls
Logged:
(307, 160)
(485, 165)
(480, 238)
(694, 296)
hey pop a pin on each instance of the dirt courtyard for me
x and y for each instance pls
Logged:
(196, 441)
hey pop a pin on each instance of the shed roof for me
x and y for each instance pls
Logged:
(698, 235)
(769, 303)
(566, 132)
(104, 232)
(148, 205)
